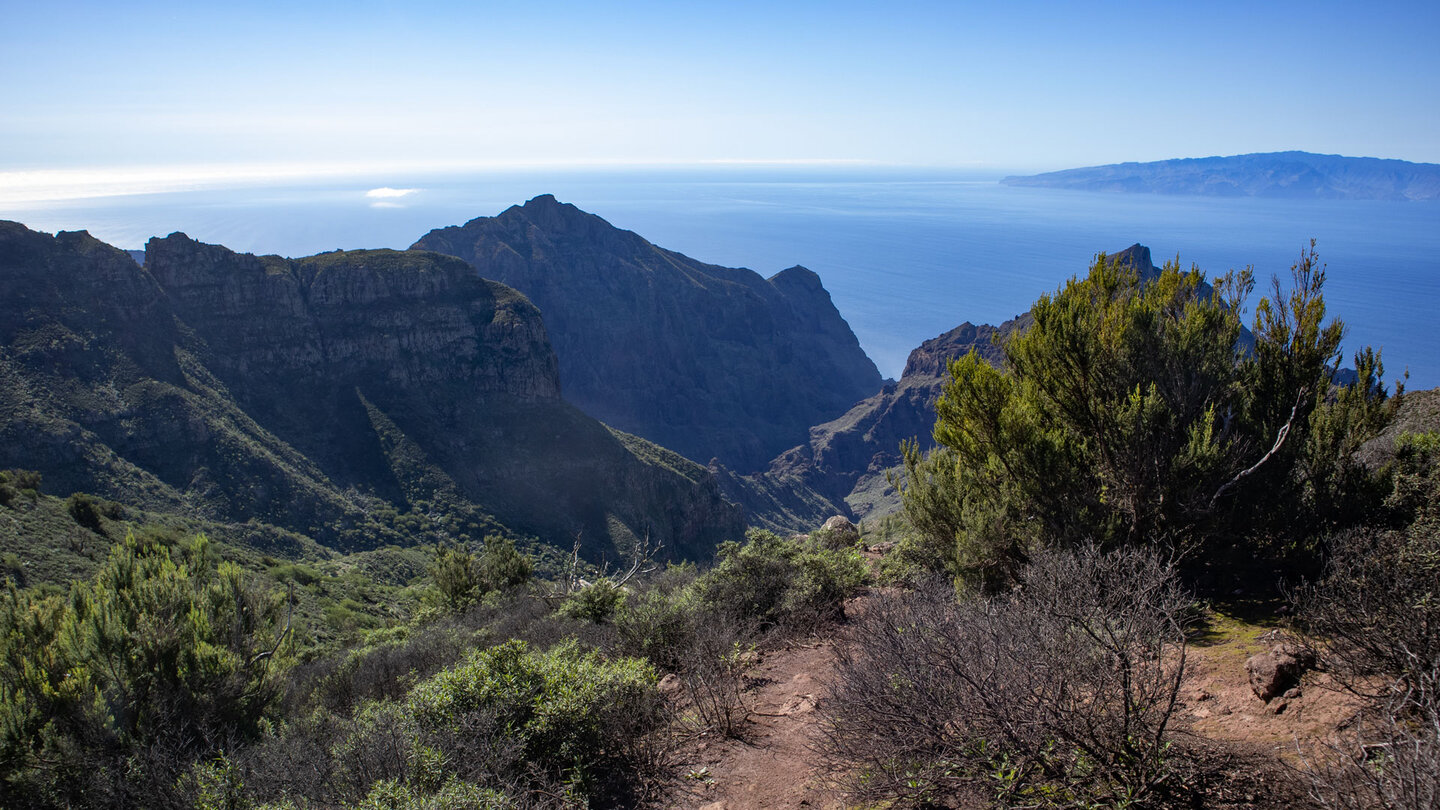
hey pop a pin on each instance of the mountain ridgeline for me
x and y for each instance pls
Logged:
(358, 397)
(709, 361)
(1269, 174)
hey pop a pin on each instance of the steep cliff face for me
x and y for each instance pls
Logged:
(317, 394)
(708, 361)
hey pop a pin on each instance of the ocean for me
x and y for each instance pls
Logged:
(906, 255)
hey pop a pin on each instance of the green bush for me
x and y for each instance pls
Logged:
(502, 566)
(15, 482)
(462, 577)
(393, 794)
(1131, 411)
(110, 693)
(595, 602)
(457, 576)
(85, 510)
(574, 717)
(775, 581)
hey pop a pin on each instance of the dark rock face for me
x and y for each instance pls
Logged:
(1269, 174)
(706, 360)
(308, 393)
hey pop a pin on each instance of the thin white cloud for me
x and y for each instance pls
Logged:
(385, 192)
(54, 185)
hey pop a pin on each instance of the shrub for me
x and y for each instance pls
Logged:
(779, 582)
(15, 482)
(1131, 411)
(709, 651)
(85, 510)
(110, 694)
(595, 602)
(1059, 694)
(457, 576)
(1375, 618)
(573, 716)
(502, 566)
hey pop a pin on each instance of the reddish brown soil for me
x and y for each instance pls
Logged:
(1218, 704)
(773, 763)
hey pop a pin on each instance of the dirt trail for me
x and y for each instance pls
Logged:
(775, 764)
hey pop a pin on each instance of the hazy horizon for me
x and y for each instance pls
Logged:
(1026, 87)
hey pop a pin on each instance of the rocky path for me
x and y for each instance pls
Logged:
(774, 764)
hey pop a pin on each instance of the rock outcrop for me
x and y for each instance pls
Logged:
(709, 361)
(341, 395)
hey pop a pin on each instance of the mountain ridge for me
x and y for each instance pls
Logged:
(359, 397)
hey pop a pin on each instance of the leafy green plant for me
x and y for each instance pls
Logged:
(775, 581)
(457, 576)
(116, 688)
(574, 716)
(595, 602)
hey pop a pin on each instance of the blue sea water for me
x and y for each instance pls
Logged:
(905, 255)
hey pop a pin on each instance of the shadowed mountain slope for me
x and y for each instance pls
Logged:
(359, 397)
(708, 361)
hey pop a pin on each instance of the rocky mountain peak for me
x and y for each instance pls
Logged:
(799, 278)
(1136, 256)
(709, 361)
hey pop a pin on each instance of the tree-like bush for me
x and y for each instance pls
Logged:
(457, 577)
(1059, 694)
(1133, 410)
(107, 695)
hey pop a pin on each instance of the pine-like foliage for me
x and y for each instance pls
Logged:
(107, 694)
(1137, 410)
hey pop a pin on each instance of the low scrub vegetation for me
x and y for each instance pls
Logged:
(175, 679)
(1059, 693)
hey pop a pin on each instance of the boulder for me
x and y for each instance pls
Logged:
(840, 532)
(1273, 673)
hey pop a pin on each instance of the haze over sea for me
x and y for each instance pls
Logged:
(906, 255)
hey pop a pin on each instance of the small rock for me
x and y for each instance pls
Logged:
(1200, 713)
(1292, 693)
(1278, 706)
(670, 684)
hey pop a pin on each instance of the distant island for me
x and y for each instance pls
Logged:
(1302, 175)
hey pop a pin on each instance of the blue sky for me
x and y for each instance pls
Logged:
(1013, 86)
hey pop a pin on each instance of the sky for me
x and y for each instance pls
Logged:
(107, 90)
